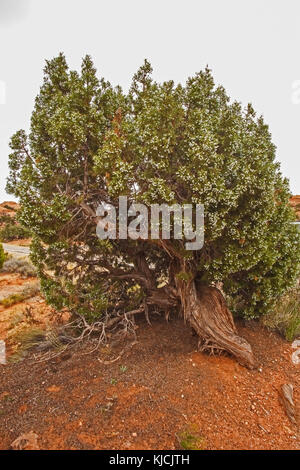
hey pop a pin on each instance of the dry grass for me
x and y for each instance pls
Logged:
(19, 265)
(285, 317)
(27, 293)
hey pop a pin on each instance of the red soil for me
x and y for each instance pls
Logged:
(9, 208)
(295, 203)
(164, 387)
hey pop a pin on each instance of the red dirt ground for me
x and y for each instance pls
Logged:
(9, 208)
(159, 388)
(295, 203)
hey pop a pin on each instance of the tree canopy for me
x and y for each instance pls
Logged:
(159, 143)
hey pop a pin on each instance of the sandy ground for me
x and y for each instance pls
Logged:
(25, 316)
(160, 388)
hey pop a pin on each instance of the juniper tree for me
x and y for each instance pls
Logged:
(158, 143)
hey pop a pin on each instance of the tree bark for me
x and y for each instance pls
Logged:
(205, 309)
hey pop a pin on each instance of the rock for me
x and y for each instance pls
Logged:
(2, 352)
(53, 389)
(22, 409)
(27, 441)
(296, 354)
(286, 398)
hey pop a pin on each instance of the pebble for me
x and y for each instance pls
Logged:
(2, 352)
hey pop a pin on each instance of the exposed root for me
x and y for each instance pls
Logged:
(98, 332)
(210, 348)
(119, 356)
(205, 309)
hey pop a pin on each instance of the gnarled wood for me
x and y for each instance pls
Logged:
(204, 307)
(286, 397)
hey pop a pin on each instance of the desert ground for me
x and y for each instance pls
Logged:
(157, 392)
(156, 395)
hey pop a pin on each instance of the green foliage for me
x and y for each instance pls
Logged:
(190, 439)
(19, 265)
(27, 293)
(285, 316)
(4, 219)
(12, 300)
(184, 276)
(11, 231)
(159, 143)
(2, 256)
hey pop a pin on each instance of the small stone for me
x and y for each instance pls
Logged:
(27, 441)
(134, 434)
(2, 352)
(286, 398)
(22, 409)
(53, 389)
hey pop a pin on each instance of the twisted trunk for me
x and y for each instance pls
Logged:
(205, 309)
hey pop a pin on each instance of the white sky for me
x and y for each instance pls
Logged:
(252, 47)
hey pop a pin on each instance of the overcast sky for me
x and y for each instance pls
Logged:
(252, 46)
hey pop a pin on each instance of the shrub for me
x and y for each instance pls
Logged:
(26, 339)
(2, 256)
(27, 293)
(286, 315)
(190, 439)
(11, 231)
(12, 300)
(19, 265)
(160, 143)
(6, 219)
